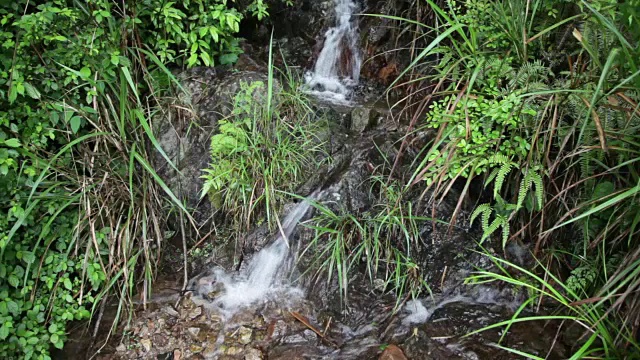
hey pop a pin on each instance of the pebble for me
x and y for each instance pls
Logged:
(244, 335)
(234, 350)
(170, 311)
(195, 313)
(253, 354)
(194, 331)
(146, 344)
(177, 354)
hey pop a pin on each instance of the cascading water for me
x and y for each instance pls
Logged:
(228, 293)
(337, 69)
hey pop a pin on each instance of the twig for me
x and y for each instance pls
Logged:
(306, 323)
(184, 250)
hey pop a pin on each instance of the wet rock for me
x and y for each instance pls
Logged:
(244, 335)
(194, 332)
(296, 352)
(146, 344)
(392, 352)
(253, 354)
(363, 118)
(278, 329)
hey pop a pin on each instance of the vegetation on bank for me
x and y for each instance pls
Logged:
(267, 147)
(539, 101)
(83, 209)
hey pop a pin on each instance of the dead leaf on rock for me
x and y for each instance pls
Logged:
(392, 352)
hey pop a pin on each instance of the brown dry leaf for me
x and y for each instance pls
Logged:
(392, 352)
(577, 34)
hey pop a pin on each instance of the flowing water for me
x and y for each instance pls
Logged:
(337, 69)
(264, 275)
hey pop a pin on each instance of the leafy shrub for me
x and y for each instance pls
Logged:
(74, 102)
(195, 32)
(42, 284)
(477, 133)
(568, 179)
(259, 153)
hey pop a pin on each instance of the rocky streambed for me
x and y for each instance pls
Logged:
(306, 317)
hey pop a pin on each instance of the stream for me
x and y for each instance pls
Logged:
(269, 308)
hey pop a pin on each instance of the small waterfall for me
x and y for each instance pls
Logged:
(337, 69)
(228, 293)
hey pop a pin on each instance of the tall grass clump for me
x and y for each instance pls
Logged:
(378, 241)
(538, 101)
(266, 147)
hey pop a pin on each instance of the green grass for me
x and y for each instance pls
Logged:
(267, 146)
(378, 242)
(576, 119)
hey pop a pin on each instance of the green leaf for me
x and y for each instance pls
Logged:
(32, 91)
(13, 94)
(13, 307)
(14, 143)
(75, 123)
(28, 257)
(4, 332)
(205, 59)
(228, 59)
(85, 72)
(67, 284)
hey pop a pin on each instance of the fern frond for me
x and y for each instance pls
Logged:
(499, 159)
(491, 177)
(532, 76)
(506, 230)
(481, 209)
(505, 169)
(497, 222)
(532, 178)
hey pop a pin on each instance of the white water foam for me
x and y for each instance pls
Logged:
(264, 275)
(337, 69)
(418, 313)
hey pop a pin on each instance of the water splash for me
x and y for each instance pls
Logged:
(418, 313)
(227, 293)
(337, 69)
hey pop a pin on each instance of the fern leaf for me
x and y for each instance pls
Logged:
(479, 210)
(497, 222)
(505, 169)
(506, 230)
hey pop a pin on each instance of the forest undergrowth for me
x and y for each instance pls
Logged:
(538, 101)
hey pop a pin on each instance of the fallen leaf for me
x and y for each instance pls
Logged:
(392, 352)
